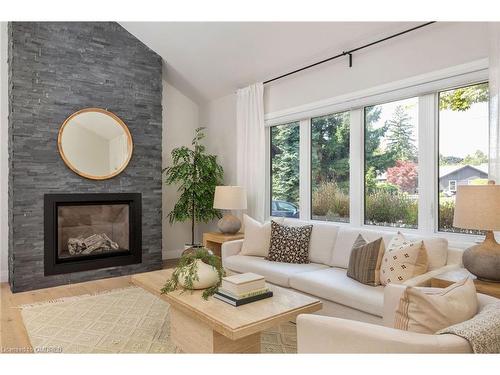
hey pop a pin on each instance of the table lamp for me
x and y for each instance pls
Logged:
(478, 207)
(230, 198)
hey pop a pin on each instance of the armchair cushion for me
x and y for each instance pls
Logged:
(429, 311)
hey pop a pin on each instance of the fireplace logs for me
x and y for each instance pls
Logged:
(96, 242)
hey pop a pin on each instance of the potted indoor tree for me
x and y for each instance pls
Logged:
(197, 174)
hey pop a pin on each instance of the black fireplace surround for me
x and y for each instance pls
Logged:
(90, 214)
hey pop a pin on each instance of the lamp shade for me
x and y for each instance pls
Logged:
(477, 207)
(230, 198)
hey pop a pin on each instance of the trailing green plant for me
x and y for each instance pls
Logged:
(188, 269)
(197, 174)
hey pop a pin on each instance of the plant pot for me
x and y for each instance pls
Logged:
(207, 276)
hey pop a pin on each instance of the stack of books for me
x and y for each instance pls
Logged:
(244, 288)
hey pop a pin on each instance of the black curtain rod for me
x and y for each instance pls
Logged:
(349, 53)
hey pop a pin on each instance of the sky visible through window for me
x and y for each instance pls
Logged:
(463, 133)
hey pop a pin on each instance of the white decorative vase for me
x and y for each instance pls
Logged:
(207, 276)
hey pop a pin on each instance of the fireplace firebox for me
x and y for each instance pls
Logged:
(90, 231)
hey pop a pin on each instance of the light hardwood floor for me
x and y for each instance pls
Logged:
(14, 337)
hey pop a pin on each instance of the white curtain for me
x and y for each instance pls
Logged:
(250, 138)
(494, 85)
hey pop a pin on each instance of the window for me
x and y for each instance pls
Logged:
(399, 179)
(330, 167)
(285, 170)
(463, 146)
(391, 164)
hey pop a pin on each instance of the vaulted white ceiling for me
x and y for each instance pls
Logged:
(207, 60)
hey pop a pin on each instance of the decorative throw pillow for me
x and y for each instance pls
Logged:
(428, 311)
(403, 260)
(397, 242)
(365, 260)
(257, 236)
(289, 244)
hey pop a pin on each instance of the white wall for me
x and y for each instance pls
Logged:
(4, 171)
(180, 119)
(219, 116)
(435, 47)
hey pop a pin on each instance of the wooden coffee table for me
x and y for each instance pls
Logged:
(213, 326)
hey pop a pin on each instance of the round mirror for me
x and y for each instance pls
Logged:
(95, 143)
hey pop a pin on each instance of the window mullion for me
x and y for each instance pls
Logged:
(427, 162)
(268, 173)
(356, 166)
(305, 169)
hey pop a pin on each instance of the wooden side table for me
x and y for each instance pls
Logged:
(214, 240)
(446, 279)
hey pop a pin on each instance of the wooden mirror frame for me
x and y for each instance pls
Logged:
(130, 144)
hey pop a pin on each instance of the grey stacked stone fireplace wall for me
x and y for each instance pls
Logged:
(56, 69)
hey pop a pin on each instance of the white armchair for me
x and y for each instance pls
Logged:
(320, 334)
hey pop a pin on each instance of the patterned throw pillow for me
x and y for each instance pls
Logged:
(403, 260)
(397, 242)
(289, 244)
(365, 260)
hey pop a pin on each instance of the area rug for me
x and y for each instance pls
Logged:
(129, 320)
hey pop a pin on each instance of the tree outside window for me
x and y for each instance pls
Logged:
(391, 164)
(330, 167)
(285, 170)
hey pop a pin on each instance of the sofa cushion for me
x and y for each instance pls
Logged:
(257, 236)
(333, 284)
(274, 272)
(437, 248)
(345, 241)
(323, 238)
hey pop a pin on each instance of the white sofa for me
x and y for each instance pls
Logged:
(325, 277)
(320, 334)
